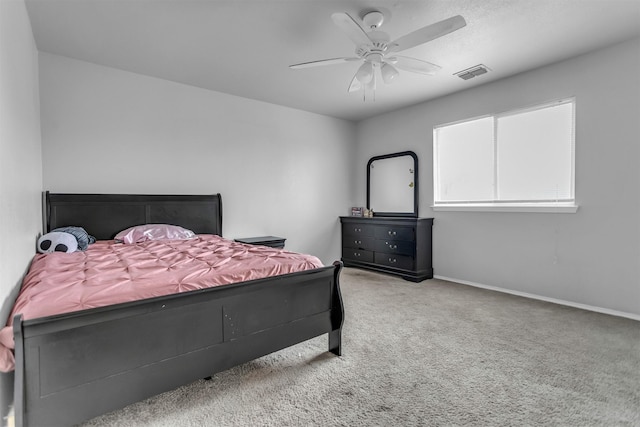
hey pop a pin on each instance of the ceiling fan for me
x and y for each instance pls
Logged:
(377, 52)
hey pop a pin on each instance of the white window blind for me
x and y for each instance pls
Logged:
(519, 157)
(465, 161)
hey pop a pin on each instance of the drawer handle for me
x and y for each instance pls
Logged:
(393, 260)
(357, 230)
(392, 233)
(357, 242)
(393, 246)
(356, 254)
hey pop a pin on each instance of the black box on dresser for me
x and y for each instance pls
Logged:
(394, 245)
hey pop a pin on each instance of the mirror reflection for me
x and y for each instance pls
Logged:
(392, 184)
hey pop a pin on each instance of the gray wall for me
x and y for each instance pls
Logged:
(280, 171)
(20, 155)
(20, 159)
(588, 258)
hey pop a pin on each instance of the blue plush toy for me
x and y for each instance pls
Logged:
(65, 239)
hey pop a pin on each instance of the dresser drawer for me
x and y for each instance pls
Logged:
(389, 246)
(357, 229)
(357, 255)
(396, 233)
(394, 260)
(358, 242)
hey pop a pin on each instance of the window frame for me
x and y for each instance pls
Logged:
(550, 206)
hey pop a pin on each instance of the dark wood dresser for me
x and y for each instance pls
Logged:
(400, 246)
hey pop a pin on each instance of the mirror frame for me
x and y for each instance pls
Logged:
(413, 214)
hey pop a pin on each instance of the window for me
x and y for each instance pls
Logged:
(519, 160)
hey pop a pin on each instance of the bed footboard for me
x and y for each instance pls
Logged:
(98, 360)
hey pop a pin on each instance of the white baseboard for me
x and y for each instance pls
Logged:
(541, 298)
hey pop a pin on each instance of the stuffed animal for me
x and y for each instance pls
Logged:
(65, 239)
(84, 239)
(57, 241)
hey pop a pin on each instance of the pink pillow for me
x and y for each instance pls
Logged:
(143, 233)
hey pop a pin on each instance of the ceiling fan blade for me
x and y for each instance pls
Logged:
(414, 65)
(351, 28)
(428, 33)
(323, 62)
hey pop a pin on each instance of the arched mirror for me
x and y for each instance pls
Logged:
(392, 184)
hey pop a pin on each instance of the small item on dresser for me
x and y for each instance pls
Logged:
(356, 211)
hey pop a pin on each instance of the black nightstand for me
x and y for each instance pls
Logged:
(272, 241)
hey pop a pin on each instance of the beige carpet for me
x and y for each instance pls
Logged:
(429, 354)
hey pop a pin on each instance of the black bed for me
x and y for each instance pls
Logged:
(68, 367)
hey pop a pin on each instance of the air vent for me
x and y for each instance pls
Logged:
(472, 72)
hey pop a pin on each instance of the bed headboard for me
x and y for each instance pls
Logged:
(104, 215)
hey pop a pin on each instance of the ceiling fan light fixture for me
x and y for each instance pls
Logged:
(365, 72)
(388, 72)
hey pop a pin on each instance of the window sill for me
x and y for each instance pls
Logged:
(508, 207)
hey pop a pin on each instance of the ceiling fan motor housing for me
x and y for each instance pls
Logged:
(379, 39)
(375, 50)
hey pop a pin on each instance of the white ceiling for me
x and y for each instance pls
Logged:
(244, 47)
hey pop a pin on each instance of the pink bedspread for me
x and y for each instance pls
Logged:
(110, 273)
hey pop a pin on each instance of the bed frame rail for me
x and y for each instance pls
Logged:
(73, 367)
